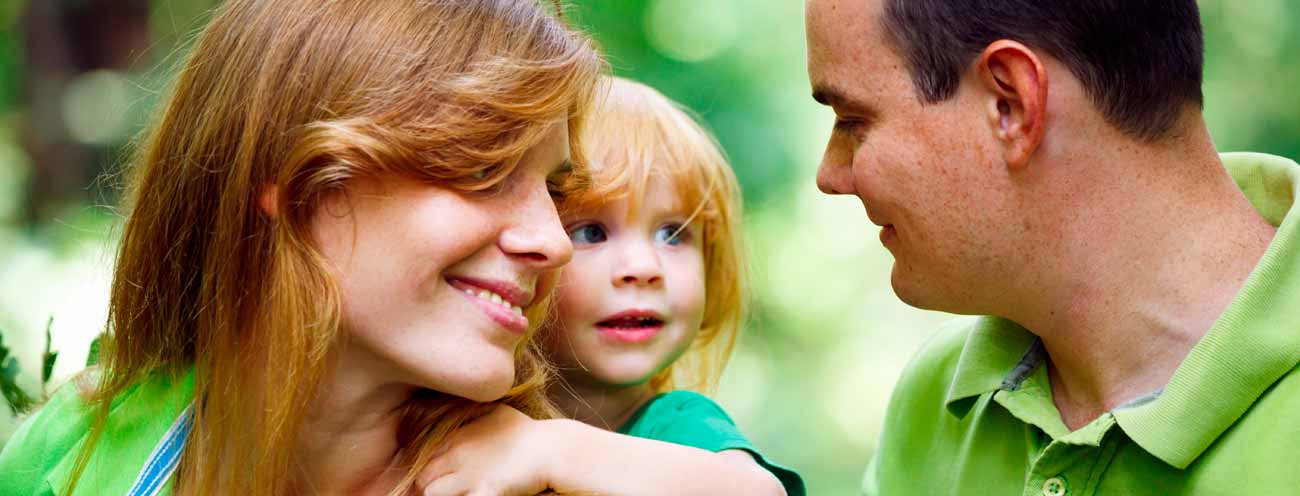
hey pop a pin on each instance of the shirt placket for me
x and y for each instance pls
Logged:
(1067, 463)
(1072, 466)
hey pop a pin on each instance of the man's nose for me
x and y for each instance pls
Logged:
(830, 177)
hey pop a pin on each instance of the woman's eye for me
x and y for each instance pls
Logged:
(670, 234)
(587, 234)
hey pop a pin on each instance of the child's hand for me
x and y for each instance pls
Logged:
(499, 453)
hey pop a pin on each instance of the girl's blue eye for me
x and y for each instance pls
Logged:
(670, 234)
(588, 234)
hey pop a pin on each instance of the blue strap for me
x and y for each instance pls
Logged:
(165, 457)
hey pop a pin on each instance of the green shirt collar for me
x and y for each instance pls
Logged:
(992, 352)
(1253, 344)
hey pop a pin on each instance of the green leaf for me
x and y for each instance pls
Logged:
(17, 399)
(47, 360)
(93, 357)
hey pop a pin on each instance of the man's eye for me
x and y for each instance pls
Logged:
(587, 234)
(670, 234)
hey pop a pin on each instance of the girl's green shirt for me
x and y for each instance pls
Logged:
(691, 419)
(39, 458)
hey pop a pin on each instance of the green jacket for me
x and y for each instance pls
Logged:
(38, 459)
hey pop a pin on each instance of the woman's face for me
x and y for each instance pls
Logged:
(433, 280)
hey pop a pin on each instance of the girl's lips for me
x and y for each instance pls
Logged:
(630, 334)
(631, 326)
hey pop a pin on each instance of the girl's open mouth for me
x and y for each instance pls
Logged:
(633, 326)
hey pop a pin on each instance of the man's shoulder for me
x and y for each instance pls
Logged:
(917, 416)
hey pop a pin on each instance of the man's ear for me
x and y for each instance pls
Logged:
(1016, 83)
(268, 201)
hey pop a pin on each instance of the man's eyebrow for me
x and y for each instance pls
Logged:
(834, 97)
(841, 102)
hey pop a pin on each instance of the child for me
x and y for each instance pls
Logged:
(653, 297)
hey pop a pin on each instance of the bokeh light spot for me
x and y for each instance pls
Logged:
(692, 31)
(95, 108)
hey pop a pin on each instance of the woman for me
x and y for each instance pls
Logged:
(340, 236)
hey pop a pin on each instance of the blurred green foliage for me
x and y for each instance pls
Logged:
(811, 376)
(17, 399)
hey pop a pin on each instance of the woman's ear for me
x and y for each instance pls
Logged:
(1016, 84)
(268, 201)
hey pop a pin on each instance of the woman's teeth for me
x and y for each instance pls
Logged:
(486, 295)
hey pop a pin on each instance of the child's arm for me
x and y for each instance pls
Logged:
(508, 453)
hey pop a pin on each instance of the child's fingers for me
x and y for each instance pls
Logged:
(439, 467)
(455, 485)
(446, 485)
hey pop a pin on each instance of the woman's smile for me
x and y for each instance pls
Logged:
(501, 301)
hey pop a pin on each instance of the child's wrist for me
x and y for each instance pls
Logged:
(553, 437)
(564, 442)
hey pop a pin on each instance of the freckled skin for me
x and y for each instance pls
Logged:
(1118, 252)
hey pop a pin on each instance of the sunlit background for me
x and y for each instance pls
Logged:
(810, 379)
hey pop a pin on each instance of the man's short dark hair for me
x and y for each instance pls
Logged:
(1139, 60)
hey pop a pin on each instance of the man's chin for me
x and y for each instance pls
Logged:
(913, 292)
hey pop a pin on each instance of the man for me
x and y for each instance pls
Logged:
(1045, 165)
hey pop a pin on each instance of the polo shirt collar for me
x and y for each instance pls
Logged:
(1253, 343)
(993, 350)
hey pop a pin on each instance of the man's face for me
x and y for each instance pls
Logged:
(930, 174)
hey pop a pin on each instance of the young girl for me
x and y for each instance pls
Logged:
(342, 232)
(653, 297)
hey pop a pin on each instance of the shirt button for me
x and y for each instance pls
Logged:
(1054, 487)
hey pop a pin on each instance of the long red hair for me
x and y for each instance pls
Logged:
(304, 95)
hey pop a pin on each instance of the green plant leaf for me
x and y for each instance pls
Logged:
(17, 399)
(93, 357)
(47, 360)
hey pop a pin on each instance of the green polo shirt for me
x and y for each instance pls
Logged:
(38, 459)
(973, 412)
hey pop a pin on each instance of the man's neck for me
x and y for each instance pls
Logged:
(599, 405)
(1141, 272)
(347, 444)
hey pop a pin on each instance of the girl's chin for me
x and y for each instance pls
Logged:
(624, 376)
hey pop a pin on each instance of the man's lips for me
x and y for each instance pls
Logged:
(887, 231)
